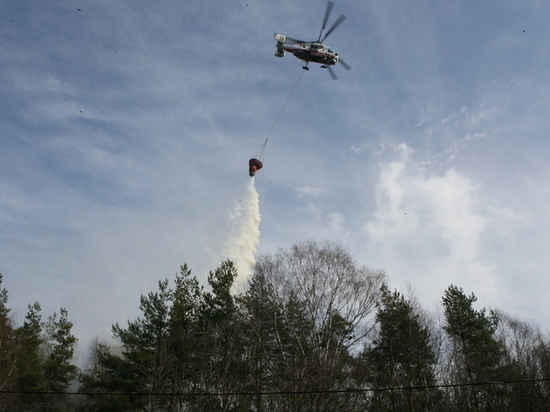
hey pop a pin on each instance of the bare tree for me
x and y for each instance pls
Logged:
(326, 304)
(328, 281)
(525, 349)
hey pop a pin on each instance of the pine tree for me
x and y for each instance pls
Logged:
(186, 341)
(146, 361)
(263, 340)
(60, 344)
(400, 357)
(477, 354)
(221, 344)
(9, 352)
(184, 314)
(30, 373)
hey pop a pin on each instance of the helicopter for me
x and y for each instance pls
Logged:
(313, 51)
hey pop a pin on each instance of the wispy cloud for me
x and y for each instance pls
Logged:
(428, 225)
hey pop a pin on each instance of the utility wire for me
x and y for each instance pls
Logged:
(267, 393)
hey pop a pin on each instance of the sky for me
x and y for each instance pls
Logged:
(126, 129)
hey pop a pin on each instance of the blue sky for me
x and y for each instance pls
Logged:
(126, 128)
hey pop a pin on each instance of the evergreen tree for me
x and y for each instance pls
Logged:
(146, 362)
(220, 345)
(185, 330)
(109, 372)
(30, 373)
(219, 304)
(476, 353)
(35, 358)
(400, 357)
(187, 341)
(264, 338)
(9, 353)
(60, 344)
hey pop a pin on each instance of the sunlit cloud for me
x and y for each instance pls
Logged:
(428, 225)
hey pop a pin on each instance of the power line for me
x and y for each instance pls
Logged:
(273, 393)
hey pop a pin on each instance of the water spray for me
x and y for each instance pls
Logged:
(241, 248)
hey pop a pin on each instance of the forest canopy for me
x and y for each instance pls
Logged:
(313, 331)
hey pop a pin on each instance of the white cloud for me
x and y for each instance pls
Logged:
(427, 226)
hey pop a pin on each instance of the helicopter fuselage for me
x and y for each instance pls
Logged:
(316, 52)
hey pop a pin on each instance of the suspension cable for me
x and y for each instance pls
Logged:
(263, 146)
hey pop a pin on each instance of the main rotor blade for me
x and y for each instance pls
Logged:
(344, 64)
(339, 21)
(331, 72)
(330, 4)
